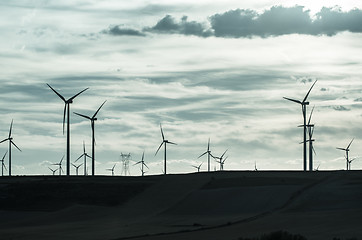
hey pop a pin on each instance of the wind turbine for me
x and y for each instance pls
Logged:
(92, 119)
(3, 164)
(59, 164)
(208, 152)
(197, 167)
(10, 139)
(142, 162)
(66, 112)
(112, 169)
(349, 163)
(347, 150)
(53, 170)
(165, 142)
(304, 104)
(77, 167)
(255, 168)
(85, 155)
(310, 129)
(221, 160)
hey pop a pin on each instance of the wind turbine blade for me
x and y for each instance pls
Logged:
(88, 156)
(208, 145)
(61, 160)
(200, 165)
(82, 115)
(15, 145)
(4, 155)
(293, 100)
(79, 157)
(202, 154)
(146, 165)
(61, 97)
(143, 156)
(159, 148)
(83, 147)
(137, 163)
(342, 149)
(172, 143)
(224, 160)
(99, 109)
(310, 116)
(314, 151)
(306, 96)
(5, 166)
(163, 136)
(349, 144)
(11, 127)
(65, 110)
(4, 140)
(74, 165)
(224, 153)
(70, 99)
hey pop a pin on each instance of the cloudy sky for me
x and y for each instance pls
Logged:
(204, 69)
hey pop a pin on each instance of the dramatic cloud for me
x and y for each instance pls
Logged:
(247, 23)
(119, 31)
(169, 25)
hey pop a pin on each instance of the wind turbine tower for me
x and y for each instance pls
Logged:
(3, 164)
(10, 139)
(66, 112)
(165, 142)
(92, 119)
(304, 104)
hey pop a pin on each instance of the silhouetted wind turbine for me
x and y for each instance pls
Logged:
(208, 152)
(77, 167)
(112, 169)
(347, 150)
(255, 168)
(3, 164)
(349, 163)
(197, 167)
(10, 139)
(165, 142)
(59, 164)
(85, 155)
(66, 112)
(92, 119)
(142, 162)
(317, 169)
(221, 160)
(304, 104)
(53, 170)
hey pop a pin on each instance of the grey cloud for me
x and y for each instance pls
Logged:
(358, 100)
(119, 31)
(169, 25)
(340, 108)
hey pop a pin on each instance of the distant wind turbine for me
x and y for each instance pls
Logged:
(208, 152)
(346, 150)
(221, 160)
(59, 164)
(85, 155)
(53, 170)
(112, 169)
(10, 139)
(92, 119)
(165, 142)
(3, 164)
(350, 163)
(255, 168)
(66, 112)
(304, 104)
(77, 167)
(143, 164)
(197, 167)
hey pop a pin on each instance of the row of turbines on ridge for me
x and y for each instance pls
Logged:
(308, 128)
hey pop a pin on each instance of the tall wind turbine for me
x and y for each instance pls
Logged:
(85, 155)
(208, 152)
(10, 139)
(165, 142)
(92, 119)
(59, 164)
(66, 112)
(3, 164)
(221, 160)
(53, 170)
(143, 164)
(112, 169)
(347, 150)
(304, 104)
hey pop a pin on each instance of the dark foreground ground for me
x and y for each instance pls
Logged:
(218, 205)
